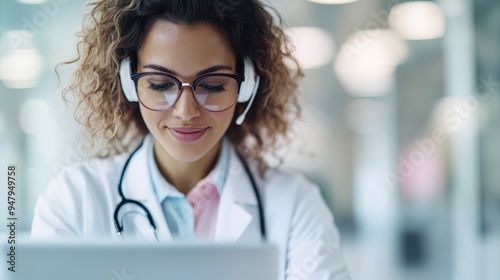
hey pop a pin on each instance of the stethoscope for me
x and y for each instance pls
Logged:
(124, 200)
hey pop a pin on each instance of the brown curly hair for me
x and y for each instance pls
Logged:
(113, 30)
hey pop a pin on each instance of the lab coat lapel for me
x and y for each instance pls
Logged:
(233, 219)
(137, 186)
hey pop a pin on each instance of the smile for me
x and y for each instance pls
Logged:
(187, 134)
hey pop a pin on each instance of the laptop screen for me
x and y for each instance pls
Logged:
(79, 260)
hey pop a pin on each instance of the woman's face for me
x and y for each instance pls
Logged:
(186, 132)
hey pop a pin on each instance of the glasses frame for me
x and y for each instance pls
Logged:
(180, 85)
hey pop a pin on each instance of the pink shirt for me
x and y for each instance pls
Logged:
(204, 199)
(194, 214)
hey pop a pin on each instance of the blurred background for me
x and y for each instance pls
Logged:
(401, 126)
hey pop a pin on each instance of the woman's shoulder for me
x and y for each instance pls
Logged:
(89, 172)
(81, 190)
(94, 166)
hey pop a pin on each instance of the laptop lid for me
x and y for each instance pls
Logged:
(137, 261)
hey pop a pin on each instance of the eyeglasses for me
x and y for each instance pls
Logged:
(213, 92)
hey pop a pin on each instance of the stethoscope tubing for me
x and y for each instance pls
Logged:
(257, 196)
(124, 200)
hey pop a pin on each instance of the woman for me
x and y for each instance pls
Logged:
(204, 88)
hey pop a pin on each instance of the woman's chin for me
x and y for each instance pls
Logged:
(186, 156)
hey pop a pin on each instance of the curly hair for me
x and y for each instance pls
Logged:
(113, 30)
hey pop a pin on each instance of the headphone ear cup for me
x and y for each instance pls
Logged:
(126, 82)
(250, 85)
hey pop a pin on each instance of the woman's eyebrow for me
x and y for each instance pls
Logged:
(159, 68)
(202, 72)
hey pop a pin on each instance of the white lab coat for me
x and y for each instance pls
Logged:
(80, 202)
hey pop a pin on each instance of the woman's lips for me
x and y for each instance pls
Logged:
(187, 134)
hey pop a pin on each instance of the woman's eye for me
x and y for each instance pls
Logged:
(212, 88)
(160, 87)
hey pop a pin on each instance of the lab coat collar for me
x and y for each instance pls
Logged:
(232, 216)
(238, 186)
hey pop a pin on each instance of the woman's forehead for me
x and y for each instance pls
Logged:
(184, 47)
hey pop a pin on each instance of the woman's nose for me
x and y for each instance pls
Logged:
(186, 106)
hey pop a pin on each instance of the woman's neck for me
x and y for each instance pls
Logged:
(184, 175)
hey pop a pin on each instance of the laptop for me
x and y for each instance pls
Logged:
(82, 260)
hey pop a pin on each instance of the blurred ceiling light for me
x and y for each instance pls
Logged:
(34, 116)
(375, 48)
(31, 1)
(314, 47)
(367, 60)
(332, 1)
(364, 82)
(418, 20)
(21, 68)
(451, 113)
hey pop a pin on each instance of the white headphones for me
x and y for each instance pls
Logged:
(248, 88)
